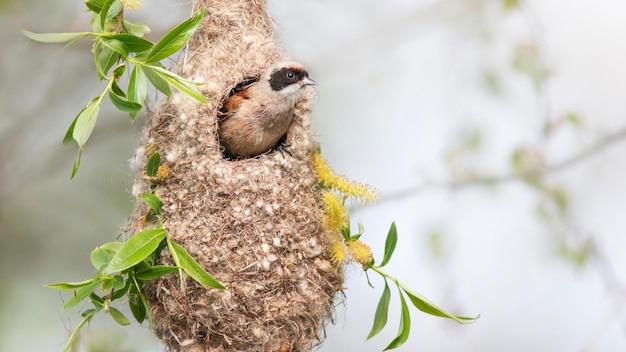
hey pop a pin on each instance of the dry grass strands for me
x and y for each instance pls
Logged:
(254, 224)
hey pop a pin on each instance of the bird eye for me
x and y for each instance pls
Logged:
(291, 75)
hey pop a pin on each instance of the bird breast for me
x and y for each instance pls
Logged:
(255, 126)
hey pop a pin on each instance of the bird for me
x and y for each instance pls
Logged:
(257, 115)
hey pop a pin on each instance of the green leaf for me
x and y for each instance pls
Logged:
(117, 294)
(136, 28)
(104, 58)
(146, 264)
(118, 316)
(110, 9)
(76, 164)
(345, 232)
(115, 9)
(130, 42)
(405, 326)
(90, 312)
(422, 303)
(390, 244)
(192, 268)
(95, 25)
(152, 201)
(186, 86)
(95, 5)
(154, 257)
(104, 11)
(156, 80)
(112, 247)
(87, 315)
(155, 272)
(136, 304)
(96, 300)
(118, 282)
(85, 121)
(176, 38)
(153, 164)
(116, 89)
(54, 37)
(137, 86)
(117, 47)
(380, 318)
(125, 105)
(174, 253)
(119, 72)
(137, 89)
(136, 249)
(69, 285)
(126, 43)
(81, 294)
(68, 139)
(107, 284)
(100, 257)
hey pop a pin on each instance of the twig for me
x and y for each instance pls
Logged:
(582, 155)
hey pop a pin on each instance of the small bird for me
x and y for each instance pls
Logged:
(255, 118)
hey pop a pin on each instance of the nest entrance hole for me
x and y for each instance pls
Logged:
(247, 82)
(221, 113)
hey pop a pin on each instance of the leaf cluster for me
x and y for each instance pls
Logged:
(119, 48)
(123, 270)
(417, 300)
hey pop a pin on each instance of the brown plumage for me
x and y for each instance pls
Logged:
(255, 118)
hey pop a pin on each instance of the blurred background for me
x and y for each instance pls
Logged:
(446, 106)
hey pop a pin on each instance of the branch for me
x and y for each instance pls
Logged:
(600, 145)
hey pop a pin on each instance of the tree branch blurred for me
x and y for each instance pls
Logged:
(492, 180)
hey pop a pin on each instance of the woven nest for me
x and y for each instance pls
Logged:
(255, 224)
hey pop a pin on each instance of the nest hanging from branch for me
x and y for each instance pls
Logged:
(255, 224)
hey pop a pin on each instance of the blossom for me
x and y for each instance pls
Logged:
(352, 189)
(335, 213)
(132, 5)
(360, 252)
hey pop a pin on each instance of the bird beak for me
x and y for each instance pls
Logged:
(306, 81)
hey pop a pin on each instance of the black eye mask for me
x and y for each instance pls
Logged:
(285, 77)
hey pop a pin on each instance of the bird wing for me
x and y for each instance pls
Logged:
(237, 96)
(233, 103)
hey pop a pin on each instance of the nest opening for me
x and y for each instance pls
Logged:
(243, 84)
(221, 113)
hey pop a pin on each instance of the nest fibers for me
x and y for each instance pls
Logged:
(254, 224)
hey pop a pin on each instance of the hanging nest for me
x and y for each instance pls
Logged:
(254, 224)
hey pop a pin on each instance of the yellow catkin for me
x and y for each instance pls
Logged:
(323, 172)
(132, 5)
(335, 213)
(337, 250)
(360, 252)
(352, 189)
(163, 172)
